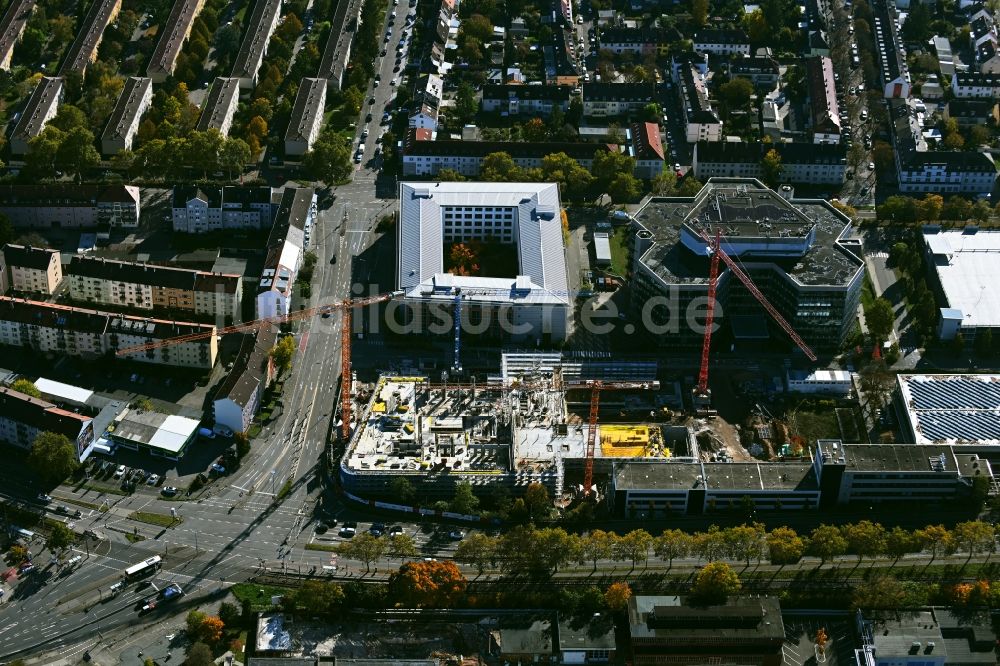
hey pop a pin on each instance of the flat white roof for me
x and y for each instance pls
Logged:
(968, 267)
(161, 431)
(602, 247)
(820, 376)
(538, 229)
(61, 391)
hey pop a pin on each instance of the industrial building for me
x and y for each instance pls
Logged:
(963, 263)
(798, 252)
(530, 302)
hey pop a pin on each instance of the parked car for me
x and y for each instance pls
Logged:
(216, 468)
(456, 535)
(44, 499)
(377, 529)
(168, 491)
(153, 479)
(348, 530)
(395, 530)
(120, 472)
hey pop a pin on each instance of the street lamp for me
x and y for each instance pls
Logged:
(274, 472)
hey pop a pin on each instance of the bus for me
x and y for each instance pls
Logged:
(144, 568)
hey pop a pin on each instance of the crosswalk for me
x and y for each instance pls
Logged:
(879, 255)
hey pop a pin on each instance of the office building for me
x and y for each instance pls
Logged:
(176, 30)
(70, 206)
(963, 266)
(40, 109)
(33, 270)
(952, 409)
(136, 96)
(925, 637)
(307, 117)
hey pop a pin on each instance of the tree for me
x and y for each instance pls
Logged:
(634, 546)
(450, 175)
(69, 117)
(537, 501)
(699, 12)
(883, 155)
(711, 544)
(597, 545)
(53, 456)
(353, 99)
(880, 318)
(204, 628)
(974, 536)
(366, 548)
(199, 654)
(40, 161)
(929, 208)
(714, 583)
(917, 27)
(16, 554)
(76, 152)
(6, 230)
(652, 112)
(477, 549)
(478, 26)
(402, 490)
(500, 168)
(664, 183)
(865, 538)
(879, 592)
(427, 584)
(671, 544)
(771, 166)
(466, 103)
(826, 542)
(746, 542)
(899, 542)
(464, 500)
(689, 187)
(402, 546)
(27, 387)
(60, 538)
(330, 159)
(785, 545)
(617, 595)
(609, 165)
(283, 352)
(316, 597)
(735, 94)
(230, 614)
(234, 155)
(574, 180)
(464, 259)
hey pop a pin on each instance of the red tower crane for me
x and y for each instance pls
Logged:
(717, 254)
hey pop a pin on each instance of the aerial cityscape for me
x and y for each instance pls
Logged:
(466, 332)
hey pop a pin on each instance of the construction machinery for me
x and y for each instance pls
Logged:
(345, 307)
(702, 396)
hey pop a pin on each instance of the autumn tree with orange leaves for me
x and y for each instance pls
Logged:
(427, 585)
(464, 259)
(617, 595)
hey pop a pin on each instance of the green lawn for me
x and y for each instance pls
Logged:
(161, 519)
(321, 546)
(619, 239)
(813, 425)
(259, 596)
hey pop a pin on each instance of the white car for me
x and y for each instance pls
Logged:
(120, 472)
(153, 478)
(394, 82)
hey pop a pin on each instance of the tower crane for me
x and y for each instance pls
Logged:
(702, 394)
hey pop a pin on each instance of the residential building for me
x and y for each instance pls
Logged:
(645, 146)
(803, 263)
(136, 96)
(33, 270)
(616, 99)
(701, 121)
(176, 30)
(925, 637)
(761, 69)
(744, 630)
(260, 27)
(239, 397)
(61, 330)
(40, 109)
(963, 266)
(70, 206)
(817, 44)
(524, 639)
(969, 112)
(427, 158)
(424, 117)
(946, 59)
(722, 42)
(335, 54)
(892, 61)
(220, 104)
(988, 56)
(638, 41)
(525, 215)
(161, 435)
(865, 474)
(286, 244)
(679, 61)
(586, 640)
(307, 117)
(801, 163)
(83, 50)
(559, 69)
(975, 84)
(4, 278)
(202, 209)
(825, 112)
(23, 418)
(516, 100)
(12, 27)
(124, 284)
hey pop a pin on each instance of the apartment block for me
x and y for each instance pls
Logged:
(616, 99)
(33, 270)
(825, 112)
(124, 123)
(760, 70)
(969, 112)
(239, 397)
(702, 123)
(975, 84)
(220, 106)
(12, 27)
(645, 146)
(40, 109)
(516, 100)
(638, 41)
(338, 46)
(427, 158)
(307, 117)
(722, 42)
(891, 59)
(23, 418)
(260, 27)
(801, 163)
(137, 286)
(203, 209)
(945, 172)
(176, 31)
(61, 330)
(83, 51)
(286, 244)
(70, 206)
